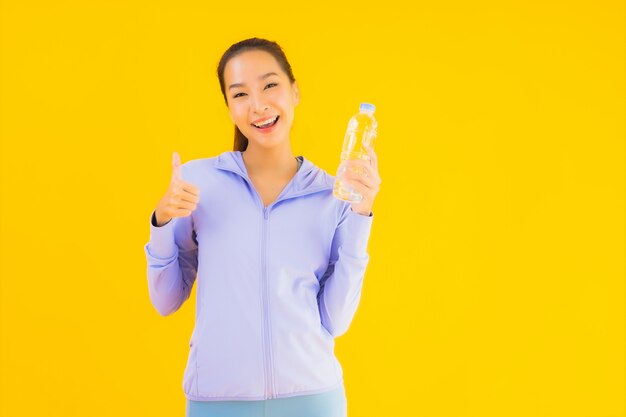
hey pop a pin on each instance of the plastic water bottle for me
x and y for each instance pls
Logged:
(361, 131)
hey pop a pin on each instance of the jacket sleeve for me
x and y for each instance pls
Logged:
(340, 286)
(172, 255)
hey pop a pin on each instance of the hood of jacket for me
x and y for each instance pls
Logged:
(308, 179)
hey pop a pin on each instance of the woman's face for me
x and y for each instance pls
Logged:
(257, 91)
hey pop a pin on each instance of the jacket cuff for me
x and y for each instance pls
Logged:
(162, 243)
(358, 230)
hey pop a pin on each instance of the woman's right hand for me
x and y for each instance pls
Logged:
(180, 199)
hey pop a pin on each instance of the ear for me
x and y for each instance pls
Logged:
(296, 93)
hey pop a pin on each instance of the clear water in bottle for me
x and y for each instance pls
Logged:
(361, 131)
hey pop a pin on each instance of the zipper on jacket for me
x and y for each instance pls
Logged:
(269, 392)
(269, 381)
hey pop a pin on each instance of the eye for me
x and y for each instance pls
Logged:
(272, 84)
(238, 95)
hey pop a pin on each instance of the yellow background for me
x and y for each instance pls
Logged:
(496, 277)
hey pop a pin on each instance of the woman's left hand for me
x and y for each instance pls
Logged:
(366, 180)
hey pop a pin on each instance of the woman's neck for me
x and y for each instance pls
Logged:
(277, 162)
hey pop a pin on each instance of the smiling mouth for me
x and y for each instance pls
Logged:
(267, 124)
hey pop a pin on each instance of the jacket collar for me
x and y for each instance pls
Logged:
(309, 178)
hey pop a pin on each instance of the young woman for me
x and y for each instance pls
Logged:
(279, 260)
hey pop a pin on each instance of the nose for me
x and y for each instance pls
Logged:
(258, 104)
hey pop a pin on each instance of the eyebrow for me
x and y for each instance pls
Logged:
(262, 77)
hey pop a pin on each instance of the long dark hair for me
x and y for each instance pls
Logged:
(241, 142)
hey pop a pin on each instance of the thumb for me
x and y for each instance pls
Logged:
(176, 166)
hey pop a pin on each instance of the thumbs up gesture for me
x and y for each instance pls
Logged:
(180, 199)
(176, 166)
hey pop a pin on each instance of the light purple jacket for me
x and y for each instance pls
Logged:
(276, 284)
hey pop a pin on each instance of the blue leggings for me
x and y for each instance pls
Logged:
(326, 404)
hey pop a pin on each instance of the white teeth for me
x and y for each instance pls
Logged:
(267, 122)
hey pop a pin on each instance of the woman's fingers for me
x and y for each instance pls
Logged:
(176, 166)
(181, 187)
(352, 166)
(186, 186)
(360, 178)
(187, 196)
(373, 157)
(358, 165)
(181, 197)
(359, 186)
(177, 178)
(181, 213)
(361, 169)
(182, 204)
